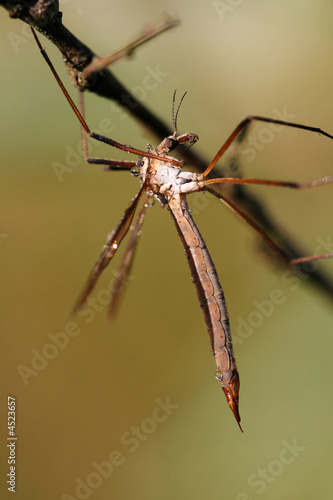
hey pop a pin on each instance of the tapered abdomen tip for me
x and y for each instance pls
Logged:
(231, 391)
(233, 404)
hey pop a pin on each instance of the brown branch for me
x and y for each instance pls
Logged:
(44, 16)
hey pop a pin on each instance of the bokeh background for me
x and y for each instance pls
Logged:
(234, 59)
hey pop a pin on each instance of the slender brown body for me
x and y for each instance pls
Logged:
(211, 298)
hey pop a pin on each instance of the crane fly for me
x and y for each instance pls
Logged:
(162, 177)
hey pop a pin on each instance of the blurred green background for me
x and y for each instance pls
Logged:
(234, 59)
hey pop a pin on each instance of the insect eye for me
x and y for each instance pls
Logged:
(171, 143)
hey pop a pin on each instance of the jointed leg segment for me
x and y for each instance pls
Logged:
(245, 123)
(98, 137)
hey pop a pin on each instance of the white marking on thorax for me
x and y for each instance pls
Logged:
(168, 179)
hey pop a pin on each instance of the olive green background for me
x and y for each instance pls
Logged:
(234, 58)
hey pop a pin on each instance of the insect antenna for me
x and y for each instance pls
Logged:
(175, 116)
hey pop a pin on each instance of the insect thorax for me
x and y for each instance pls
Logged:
(164, 179)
